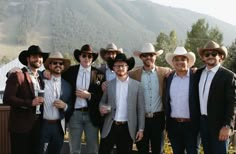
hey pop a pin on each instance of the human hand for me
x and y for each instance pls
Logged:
(83, 94)
(59, 104)
(47, 74)
(224, 133)
(37, 101)
(139, 136)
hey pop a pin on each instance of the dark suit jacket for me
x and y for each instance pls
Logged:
(221, 99)
(97, 77)
(193, 106)
(19, 93)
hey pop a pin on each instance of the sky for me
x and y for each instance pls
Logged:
(220, 9)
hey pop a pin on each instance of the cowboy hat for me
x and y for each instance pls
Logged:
(32, 50)
(213, 46)
(110, 48)
(181, 51)
(57, 56)
(87, 49)
(148, 48)
(121, 57)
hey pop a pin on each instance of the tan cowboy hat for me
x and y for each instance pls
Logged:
(213, 46)
(148, 48)
(57, 56)
(110, 48)
(85, 49)
(181, 51)
(121, 57)
(32, 50)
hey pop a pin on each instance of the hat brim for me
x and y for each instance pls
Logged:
(78, 52)
(190, 55)
(130, 62)
(24, 54)
(157, 53)
(104, 51)
(221, 50)
(66, 63)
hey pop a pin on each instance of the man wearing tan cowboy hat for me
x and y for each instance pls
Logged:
(124, 122)
(110, 51)
(86, 82)
(152, 78)
(182, 111)
(57, 99)
(21, 93)
(216, 88)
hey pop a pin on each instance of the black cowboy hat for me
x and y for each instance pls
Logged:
(121, 57)
(32, 50)
(87, 49)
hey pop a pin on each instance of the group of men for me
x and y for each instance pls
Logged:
(128, 105)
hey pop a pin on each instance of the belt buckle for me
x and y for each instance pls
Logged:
(149, 115)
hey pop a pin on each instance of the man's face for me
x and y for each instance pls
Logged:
(120, 68)
(56, 67)
(86, 59)
(180, 63)
(148, 59)
(212, 58)
(35, 61)
(110, 54)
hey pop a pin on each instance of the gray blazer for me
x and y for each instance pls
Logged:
(136, 108)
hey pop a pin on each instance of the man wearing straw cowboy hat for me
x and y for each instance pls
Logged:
(216, 89)
(21, 94)
(86, 83)
(182, 111)
(152, 79)
(110, 51)
(57, 97)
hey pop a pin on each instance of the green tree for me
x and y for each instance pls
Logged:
(199, 36)
(167, 43)
(230, 61)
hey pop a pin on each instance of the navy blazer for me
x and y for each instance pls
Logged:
(96, 80)
(194, 108)
(221, 99)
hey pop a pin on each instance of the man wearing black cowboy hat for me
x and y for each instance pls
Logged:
(21, 94)
(86, 83)
(124, 120)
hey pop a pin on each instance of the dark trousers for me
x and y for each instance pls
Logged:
(211, 144)
(52, 137)
(27, 142)
(183, 137)
(153, 133)
(119, 136)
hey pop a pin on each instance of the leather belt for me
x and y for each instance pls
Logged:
(51, 121)
(152, 115)
(182, 119)
(83, 109)
(120, 122)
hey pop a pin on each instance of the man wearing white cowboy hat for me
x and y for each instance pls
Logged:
(182, 111)
(57, 99)
(124, 122)
(110, 51)
(216, 96)
(152, 79)
(21, 94)
(86, 82)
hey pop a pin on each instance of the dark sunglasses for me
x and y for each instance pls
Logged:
(55, 63)
(147, 54)
(87, 55)
(213, 54)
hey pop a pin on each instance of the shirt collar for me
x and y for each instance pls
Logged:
(214, 69)
(88, 69)
(122, 81)
(56, 78)
(187, 75)
(151, 71)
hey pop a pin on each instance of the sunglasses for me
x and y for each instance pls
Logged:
(87, 55)
(147, 54)
(120, 66)
(55, 63)
(213, 54)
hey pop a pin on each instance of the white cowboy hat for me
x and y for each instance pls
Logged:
(213, 46)
(57, 56)
(181, 51)
(110, 48)
(148, 48)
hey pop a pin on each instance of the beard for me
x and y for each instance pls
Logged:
(35, 64)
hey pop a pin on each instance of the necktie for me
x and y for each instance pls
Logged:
(204, 86)
(55, 88)
(84, 79)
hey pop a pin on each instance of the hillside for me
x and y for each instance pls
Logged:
(63, 25)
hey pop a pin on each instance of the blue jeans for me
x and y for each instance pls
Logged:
(211, 144)
(79, 122)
